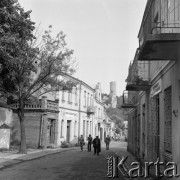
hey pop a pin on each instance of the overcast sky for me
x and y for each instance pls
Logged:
(102, 33)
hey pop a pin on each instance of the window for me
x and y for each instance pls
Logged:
(96, 111)
(70, 97)
(90, 127)
(63, 96)
(91, 103)
(87, 128)
(75, 127)
(76, 98)
(62, 126)
(85, 98)
(88, 100)
(84, 128)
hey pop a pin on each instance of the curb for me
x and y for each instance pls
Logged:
(38, 155)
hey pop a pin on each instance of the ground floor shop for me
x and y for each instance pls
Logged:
(154, 124)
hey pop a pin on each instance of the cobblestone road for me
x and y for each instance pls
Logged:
(75, 165)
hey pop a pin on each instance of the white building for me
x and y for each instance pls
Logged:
(80, 113)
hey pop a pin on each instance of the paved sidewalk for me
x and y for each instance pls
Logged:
(8, 159)
(122, 152)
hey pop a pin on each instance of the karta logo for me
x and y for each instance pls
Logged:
(118, 165)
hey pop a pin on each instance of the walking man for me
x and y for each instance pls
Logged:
(107, 141)
(81, 141)
(89, 142)
(97, 145)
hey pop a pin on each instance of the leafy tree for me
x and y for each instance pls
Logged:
(29, 66)
(117, 116)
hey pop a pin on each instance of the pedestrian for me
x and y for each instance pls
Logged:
(89, 142)
(107, 141)
(81, 141)
(97, 145)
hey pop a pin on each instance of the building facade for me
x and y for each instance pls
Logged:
(63, 116)
(77, 111)
(152, 93)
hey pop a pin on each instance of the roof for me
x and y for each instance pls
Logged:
(4, 105)
(81, 82)
(4, 126)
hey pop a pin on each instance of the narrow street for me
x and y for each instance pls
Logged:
(72, 164)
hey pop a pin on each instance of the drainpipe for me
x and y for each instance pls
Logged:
(79, 111)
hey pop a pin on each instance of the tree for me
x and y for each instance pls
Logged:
(28, 67)
(117, 116)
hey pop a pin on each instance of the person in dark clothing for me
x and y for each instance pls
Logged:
(107, 141)
(97, 145)
(89, 142)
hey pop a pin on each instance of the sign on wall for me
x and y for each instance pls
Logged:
(156, 88)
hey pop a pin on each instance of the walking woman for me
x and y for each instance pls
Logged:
(81, 141)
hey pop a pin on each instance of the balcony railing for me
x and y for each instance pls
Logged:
(130, 99)
(90, 110)
(159, 36)
(42, 104)
(139, 77)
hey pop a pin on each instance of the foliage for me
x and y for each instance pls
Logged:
(30, 68)
(65, 144)
(117, 116)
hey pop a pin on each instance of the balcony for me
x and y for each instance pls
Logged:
(90, 110)
(130, 99)
(159, 36)
(138, 77)
(42, 104)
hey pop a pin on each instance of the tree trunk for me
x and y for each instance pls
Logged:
(22, 148)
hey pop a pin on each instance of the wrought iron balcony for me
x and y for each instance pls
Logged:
(159, 35)
(138, 77)
(90, 110)
(130, 99)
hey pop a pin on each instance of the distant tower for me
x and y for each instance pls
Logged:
(113, 94)
(98, 91)
(113, 88)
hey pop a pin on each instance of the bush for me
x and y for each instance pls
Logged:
(65, 144)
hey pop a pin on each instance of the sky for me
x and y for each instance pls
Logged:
(102, 33)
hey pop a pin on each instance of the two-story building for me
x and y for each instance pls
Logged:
(77, 111)
(80, 112)
(153, 86)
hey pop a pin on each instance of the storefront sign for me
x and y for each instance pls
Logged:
(70, 114)
(156, 88)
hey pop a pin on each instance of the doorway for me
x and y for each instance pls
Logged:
(51, 131)
(68, 131)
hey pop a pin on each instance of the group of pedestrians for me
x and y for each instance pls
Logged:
(96, 143)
